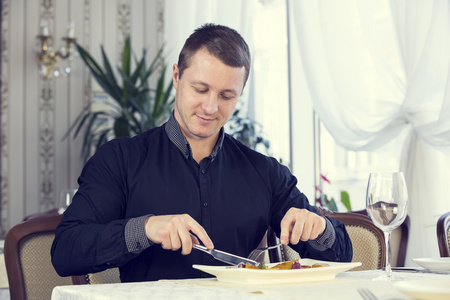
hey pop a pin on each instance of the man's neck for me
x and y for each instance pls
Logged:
(202, 148)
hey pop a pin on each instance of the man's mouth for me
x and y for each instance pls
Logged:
(205, 119)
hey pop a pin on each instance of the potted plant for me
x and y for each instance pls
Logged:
(135, 106)
(248, 131)
(323, 200)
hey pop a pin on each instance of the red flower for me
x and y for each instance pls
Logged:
(324, 178)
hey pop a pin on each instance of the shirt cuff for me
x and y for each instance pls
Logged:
(326, 239)
(135, 237)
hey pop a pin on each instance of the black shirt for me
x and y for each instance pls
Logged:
(235, 194)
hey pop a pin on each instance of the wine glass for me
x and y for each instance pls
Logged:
(65, 198)
(387, 204)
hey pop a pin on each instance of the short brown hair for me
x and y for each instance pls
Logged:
(222, 42)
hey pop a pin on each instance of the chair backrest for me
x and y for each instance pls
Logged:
(399, 241)
(107, 276)
(367, 240)
(443, 234)
(28, 261)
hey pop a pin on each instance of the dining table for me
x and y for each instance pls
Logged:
(345, 285)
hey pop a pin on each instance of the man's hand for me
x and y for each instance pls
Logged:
(301, 224)
(174, 232)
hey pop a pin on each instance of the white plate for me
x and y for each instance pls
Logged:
(251, 276)
(434, 263)
(425, 289)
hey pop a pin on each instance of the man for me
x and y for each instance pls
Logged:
(143, 202)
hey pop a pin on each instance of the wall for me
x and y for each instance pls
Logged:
(36, 161)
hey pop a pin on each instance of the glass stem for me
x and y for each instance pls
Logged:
(387, 239)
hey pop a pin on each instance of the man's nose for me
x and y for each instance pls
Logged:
(210, 104)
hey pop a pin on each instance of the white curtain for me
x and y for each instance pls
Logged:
(378, 74)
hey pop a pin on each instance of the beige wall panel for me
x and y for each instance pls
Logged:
(61, 105)
(151, 25)
(5, 207)
(78, 90)
(111, 34)
(96, 30)
(16, 111)
(32, 85)
(137, 27)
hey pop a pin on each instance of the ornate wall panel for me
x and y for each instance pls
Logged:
(47, 127)
(36, 160)
(4, 142)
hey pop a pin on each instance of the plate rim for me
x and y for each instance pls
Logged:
(333, 265)
(433, 263)
(224, 273)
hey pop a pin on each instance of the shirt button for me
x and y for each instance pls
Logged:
(203, 171)
(205, 204)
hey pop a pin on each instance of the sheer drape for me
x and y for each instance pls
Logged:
(378, 73)
(182, 17)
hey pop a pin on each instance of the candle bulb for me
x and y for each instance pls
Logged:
(71, 30)
(44, 28)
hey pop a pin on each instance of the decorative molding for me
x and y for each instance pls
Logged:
(124, 17)
(47, 147)
(87, 95)
(87, 24)
(160, 23)
(47, 4)
(4, 98)
(123, 24)
(47, 11)
(47, 127)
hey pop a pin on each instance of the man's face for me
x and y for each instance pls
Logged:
(206, 95)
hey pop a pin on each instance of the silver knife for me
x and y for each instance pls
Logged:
(226, 257)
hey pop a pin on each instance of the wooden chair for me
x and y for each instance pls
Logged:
(399, 241)
(107, 276)
(28, 261)
(368, 240)
(443, 234)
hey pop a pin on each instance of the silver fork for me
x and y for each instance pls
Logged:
(367, 294)
(254, 255)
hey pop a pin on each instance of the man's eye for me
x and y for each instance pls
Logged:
(226, 97)
(200, 91)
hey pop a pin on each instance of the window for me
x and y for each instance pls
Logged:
(270, 75)
(346, 170)
(349, 170)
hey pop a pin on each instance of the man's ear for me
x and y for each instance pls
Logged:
(175, 75)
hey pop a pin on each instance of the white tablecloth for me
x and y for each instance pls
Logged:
(343, 287)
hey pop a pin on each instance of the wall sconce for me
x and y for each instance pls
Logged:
(48, 58)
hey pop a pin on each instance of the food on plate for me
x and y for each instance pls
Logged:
(287, 265)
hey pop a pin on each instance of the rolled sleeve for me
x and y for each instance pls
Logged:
(326, 239)
(135, 237)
